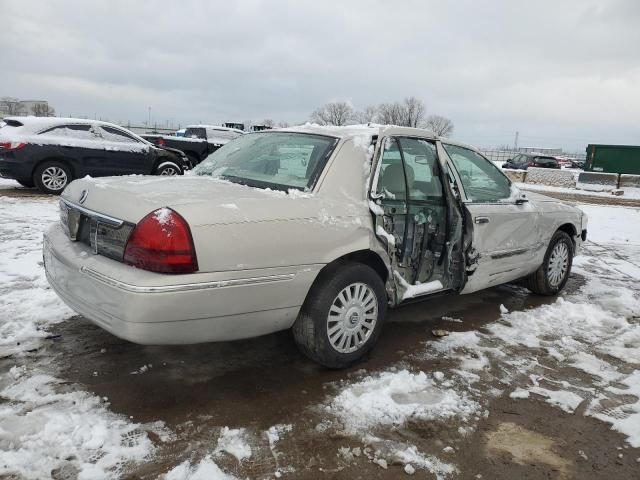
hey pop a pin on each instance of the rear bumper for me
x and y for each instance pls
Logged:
(12, 167)
(158, 309)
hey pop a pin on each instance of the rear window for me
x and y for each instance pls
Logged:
(195, 133)
(10, 123)
(275, 160)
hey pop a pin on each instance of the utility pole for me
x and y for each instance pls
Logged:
(149, 122)
(515, 141)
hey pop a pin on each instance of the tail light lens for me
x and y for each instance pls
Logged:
(162, 242)
(12, 145)
(532, 163)
(161, 141)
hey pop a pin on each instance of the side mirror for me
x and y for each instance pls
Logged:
(521, 199)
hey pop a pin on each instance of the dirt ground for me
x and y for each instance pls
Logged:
(265, 381)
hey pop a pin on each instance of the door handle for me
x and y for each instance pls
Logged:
(480, 220)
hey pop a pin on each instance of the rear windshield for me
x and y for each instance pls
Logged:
(276, 160)
(195, 133)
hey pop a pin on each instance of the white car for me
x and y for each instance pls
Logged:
(315, 229)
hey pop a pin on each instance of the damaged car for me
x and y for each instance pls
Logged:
(315, 229)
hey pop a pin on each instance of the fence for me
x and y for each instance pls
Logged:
(504, 155)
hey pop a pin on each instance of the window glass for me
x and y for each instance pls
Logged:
(270, 160)
(391, 181)
(195, 132)
(421, 162)
(82, 132)
(114, 135)
(481, 180)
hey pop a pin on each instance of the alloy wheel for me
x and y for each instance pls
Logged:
(54, 178)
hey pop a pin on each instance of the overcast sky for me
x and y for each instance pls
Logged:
(562, 73)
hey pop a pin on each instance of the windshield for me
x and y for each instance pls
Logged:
(277, 160)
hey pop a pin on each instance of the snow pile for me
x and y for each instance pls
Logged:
(551, 176)
(206, 469)
(233, 442)
(391, 398)
(45, 426)
(27, 302)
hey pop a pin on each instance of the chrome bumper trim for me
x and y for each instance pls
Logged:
(239, 282)
(115, 222)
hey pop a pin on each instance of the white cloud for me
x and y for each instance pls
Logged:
(559, 72)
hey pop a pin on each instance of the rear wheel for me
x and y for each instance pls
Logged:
(554, 272)
(342, 316)
(52, 177)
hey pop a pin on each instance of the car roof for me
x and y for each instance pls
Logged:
(35, 124)
(215, 127)
(369, 129)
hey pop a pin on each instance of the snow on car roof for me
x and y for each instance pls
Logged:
(370, 129)
(35, 124)
(215, 127)
(357, 130)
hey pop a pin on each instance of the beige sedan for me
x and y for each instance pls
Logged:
(314, 229)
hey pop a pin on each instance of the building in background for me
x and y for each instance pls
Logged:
(14, 107)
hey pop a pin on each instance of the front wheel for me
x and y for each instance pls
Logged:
(554, 272)
(342, 316)
(168, 168)
(52, 177)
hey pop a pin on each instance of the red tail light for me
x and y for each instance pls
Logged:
(532, 163)
(12, 145)
(162, 242)
(161, 141)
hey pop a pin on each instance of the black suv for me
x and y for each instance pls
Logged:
(50, 152)
(526, 160)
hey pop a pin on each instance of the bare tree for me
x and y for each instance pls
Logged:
(391, 113)
(43, 110)
(369, 114)
(414, 110)
(335, 113)
(267, 122)
(441, 126)
(283, 124)
(11, 105)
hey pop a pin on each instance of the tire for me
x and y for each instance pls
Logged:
(52, 177)
(354, 329)
(26, 183)
(168, 169)
(544, 281)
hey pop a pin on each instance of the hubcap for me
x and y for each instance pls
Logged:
(352, 318)
(54, 178)
(169, 171)
(558, 264)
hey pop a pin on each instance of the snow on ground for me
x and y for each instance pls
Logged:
(580, 354)
(47, 425)
(581, 350)
(27, 302)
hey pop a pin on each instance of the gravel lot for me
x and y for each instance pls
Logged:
(519, 387)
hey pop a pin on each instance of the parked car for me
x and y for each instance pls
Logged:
(198, 141)
(526, 160)
(315, 229)
(49, 152)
